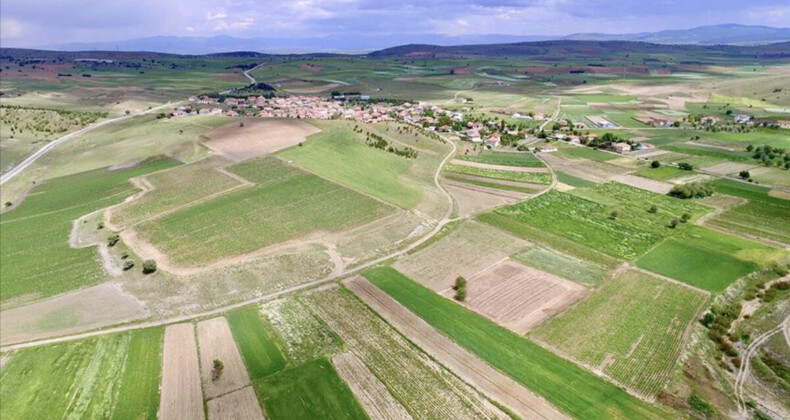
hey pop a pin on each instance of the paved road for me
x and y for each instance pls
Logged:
(42, 151)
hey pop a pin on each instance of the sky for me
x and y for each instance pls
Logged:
(31, 23)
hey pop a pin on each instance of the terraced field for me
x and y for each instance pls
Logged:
(36, 234)
(631, 329)
(568, 387)
(428, 391)
(284, 204)
(114, 376)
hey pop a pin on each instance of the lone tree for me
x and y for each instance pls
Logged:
(149, 266)
(674, 223)
(655, 164)
(613, 215)
(685, 217)
(653, 209)
(744, 175)
(685, 166)
(113, 239)
(460, 289)
(218, 367)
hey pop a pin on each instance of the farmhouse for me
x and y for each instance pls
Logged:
(493, 140)
(741, 119)
(621, 147)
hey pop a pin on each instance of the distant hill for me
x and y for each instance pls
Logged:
(357, 43)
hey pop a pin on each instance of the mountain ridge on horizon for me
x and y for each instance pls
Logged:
(350, 43)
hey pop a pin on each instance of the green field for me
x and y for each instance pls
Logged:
(587, 220)
(481, 183)
(573, 390)
(505, 159)
(530, 177)
(573, 181)
(284, 203)
(750, 192)
(662, 173)
(114, 376)
(259, 351)
(587, 153)
(633, 326)
(306, 337)
(37, 259)
(561, 264)
(337, 154)
(708, 259)
(761, 219)
(310, 391)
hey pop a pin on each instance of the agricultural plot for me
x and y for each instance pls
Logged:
(338, 154)
(309, 391)
(709, 259)
(632, 329)
(772, 176)
(568, 387)
(573, 181)
(471, 199)
(181, 393)
(253, 138)
(518, 297)
(428, 391)
(170, 190)
(486, 183)
(215, 342)
(505, 159)
(764, 220)
(467, 250)
(585, 169)
(662, 173)
(562, 265)
(37, 232)
(519, 176)
(284, 204)
(586, 153)
(589, 220)
(658, 187)
(306, 336)
(114, 376)
(241, 404)
(369, 391)
(260, 352)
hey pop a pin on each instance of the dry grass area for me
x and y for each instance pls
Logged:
(472, 199)
(780, 194)
(652, 185)
(727, 168)
(519, 297)
(252, 138)
(469, 367)
(370, 392)
(237, 405)
(85, 309)
(181, 394)
(469, 249)
(216, 343)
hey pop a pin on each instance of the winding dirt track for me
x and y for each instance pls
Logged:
(744, 370)
(463, 363)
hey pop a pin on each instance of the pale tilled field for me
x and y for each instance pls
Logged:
(252, 138)
(519, 297)
(370, 392)
(236, 405)
(181, 394)
(216, 342)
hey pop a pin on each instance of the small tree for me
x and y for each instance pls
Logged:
(685, 217)
(744, 175)
(674, 223)
(113, 239)
(686, 166)
(8, 204)
(127, 265)
(613, 215)
(149, 266)
(460, 288)
(100, 225)
(217, 369)
(655, 164)
(653, 209)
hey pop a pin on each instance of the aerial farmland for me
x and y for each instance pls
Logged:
(562, 229)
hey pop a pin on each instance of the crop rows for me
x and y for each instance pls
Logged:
(530, 177)
(306, 336)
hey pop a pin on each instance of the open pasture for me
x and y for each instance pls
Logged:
(467, 250)
(36, 233)
(632, 329)
(429, 390)
(585, 217)
(568, 387)
(285, 203)
(518, 297)
(250, 138)
(113, 376)
(708, 259)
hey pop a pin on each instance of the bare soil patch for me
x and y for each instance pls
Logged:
(370, 392)
(257, 137)
(585, 169)
(779, 194)
(727, 168)
(181, 394)
(237, 405)
(473, 199)
(652, 185)
(463, 363)
(82, 310)
(216, 342)
(519, 297)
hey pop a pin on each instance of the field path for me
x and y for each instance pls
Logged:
(463, 363)
(51, 145)
(553, 116)
(744, 370)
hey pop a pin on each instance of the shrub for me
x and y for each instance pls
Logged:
(744, 174)
(613, 215)
(460, 288)
(685, 166)
(149, 266)
(8, 204)
(692, 190)
(127, 265)
(685, 217)
(217, 369)
(699, 405)
(674, 223)
(100, 225)
(655, 164)
(113, 239)
(653, 209)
